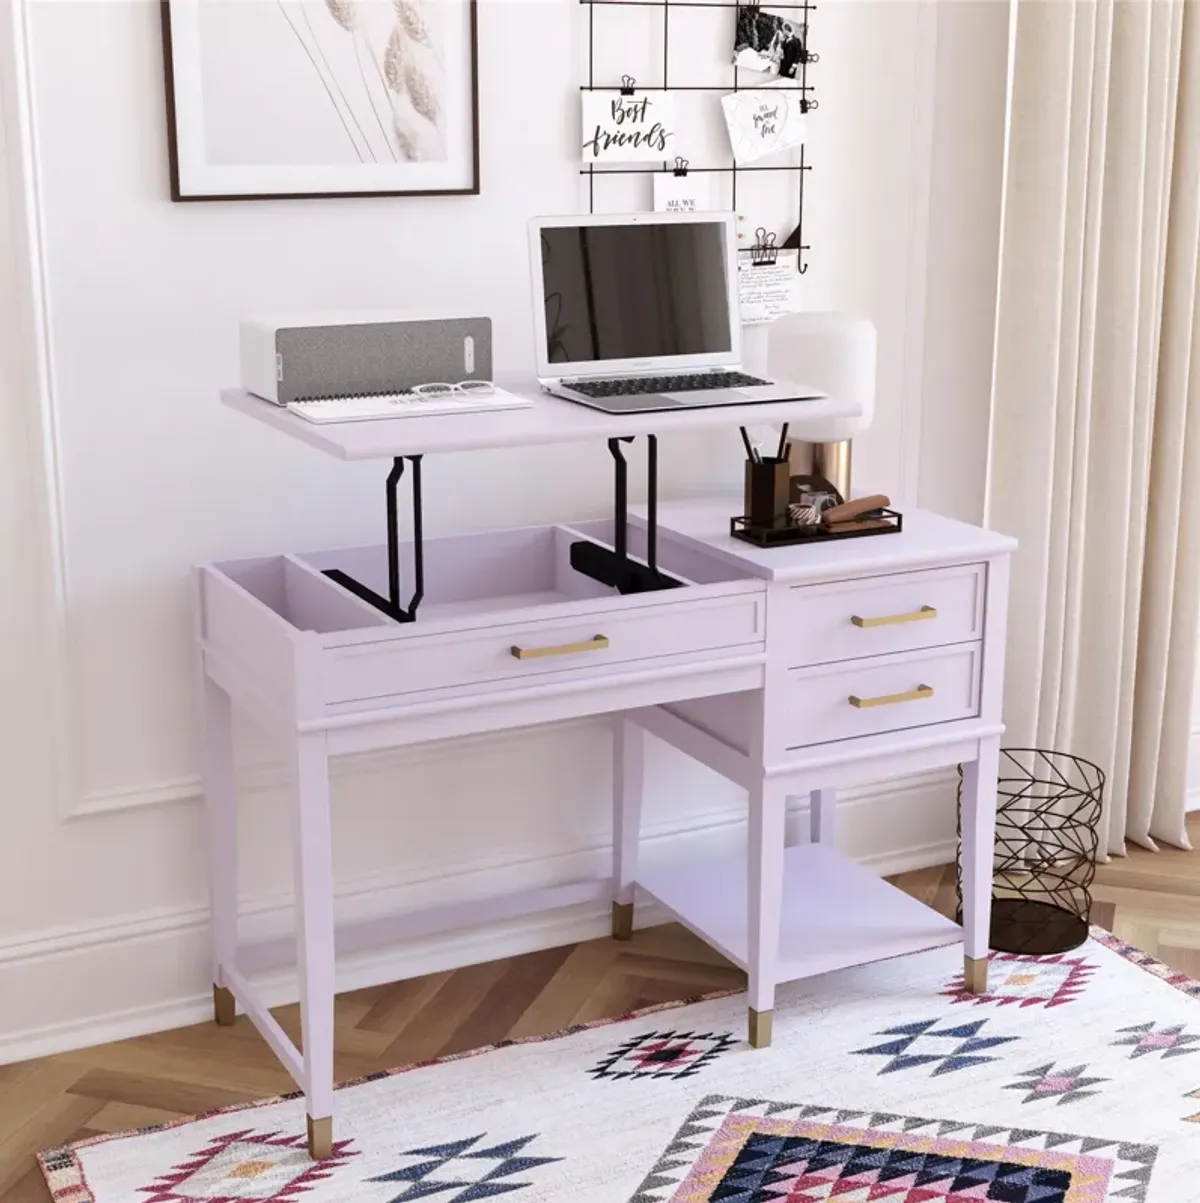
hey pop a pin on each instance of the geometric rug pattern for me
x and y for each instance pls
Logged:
(1028, 981)
(1071, 1081)
(956, 1046)
(666, 1054)
(1170, 1040)
(1062, 1083)
(246, 1167)
(462, 1171)
(760, 1151)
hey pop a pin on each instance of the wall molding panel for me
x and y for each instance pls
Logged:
(149, 972)
(74, 799)
(264, 776)
(31, 288)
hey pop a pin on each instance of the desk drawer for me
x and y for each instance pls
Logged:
(539, 650)
(888, 693)
(499, 607)
(850, 620)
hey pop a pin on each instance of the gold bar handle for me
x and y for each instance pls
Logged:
(891, 620)
(596, 644)
(890, 699)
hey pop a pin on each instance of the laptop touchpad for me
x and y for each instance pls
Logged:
(705, 396)
(638, 403)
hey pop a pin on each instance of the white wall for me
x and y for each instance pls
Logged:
(102, 893)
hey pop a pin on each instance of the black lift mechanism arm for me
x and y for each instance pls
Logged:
(614, 566)
(610, 566)
(390, 605)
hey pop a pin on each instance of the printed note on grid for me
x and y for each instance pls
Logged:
(762, 122)
(767, 291)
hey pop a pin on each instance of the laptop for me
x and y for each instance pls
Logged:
(639, 312)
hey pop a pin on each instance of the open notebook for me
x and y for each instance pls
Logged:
(384, 406)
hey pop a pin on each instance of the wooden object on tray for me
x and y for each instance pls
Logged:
(837, 528)
(850, 510)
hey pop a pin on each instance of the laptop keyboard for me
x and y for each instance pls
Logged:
(636, 386)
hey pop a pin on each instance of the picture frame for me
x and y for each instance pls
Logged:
(307, 99)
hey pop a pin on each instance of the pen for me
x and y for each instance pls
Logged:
(783, 443)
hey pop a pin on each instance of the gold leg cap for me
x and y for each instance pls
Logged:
(975, 970)
(760, 1028)
(224, 1006)
(622, 920)
(320, 1138)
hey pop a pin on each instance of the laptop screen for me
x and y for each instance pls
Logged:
(637, 291)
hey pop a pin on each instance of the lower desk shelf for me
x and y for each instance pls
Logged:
(835, 913)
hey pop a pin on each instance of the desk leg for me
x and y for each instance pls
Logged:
(220, 793)
(629, 743)
(978, 852)
(768, 806)
(822, 814)
(314, 935)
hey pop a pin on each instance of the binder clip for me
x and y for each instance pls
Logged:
(627, 82)
(681, 165)
(764, 252)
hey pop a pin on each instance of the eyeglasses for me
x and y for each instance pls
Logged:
(467, 388)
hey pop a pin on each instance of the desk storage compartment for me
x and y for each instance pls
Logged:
(850, 620)
(888, 693)
(499, 607)
(304, 600)
(509, 606)
(255, 614)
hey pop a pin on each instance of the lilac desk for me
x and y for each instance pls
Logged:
(791, 672)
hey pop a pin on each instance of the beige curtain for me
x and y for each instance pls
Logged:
(1095, 455)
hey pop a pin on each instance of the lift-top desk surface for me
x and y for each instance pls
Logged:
(548, 420)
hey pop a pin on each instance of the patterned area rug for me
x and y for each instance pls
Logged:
(1075, 1080)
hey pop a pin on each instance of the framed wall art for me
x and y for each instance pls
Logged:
(308, 98)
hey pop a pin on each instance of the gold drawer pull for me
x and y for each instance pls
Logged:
(596, 644)
(890, 699)
(891, 620)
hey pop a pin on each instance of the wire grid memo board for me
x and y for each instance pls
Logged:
(673, 12)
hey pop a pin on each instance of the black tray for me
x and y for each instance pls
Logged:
(785, 533)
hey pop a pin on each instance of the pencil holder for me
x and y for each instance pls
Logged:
(767, 482)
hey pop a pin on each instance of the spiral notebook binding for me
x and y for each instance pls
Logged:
(353, 397)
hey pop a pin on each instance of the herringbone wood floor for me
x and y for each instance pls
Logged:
(1150, 900)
